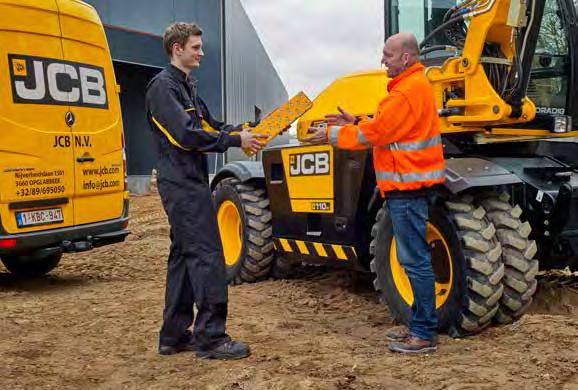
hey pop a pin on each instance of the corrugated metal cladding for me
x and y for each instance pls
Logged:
(252, 85)
(229, 85)
(135, 28)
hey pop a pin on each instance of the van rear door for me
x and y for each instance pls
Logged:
(97, 129)
(36, 171)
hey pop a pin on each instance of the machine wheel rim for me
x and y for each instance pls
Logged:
(231, 231)
(441, 261)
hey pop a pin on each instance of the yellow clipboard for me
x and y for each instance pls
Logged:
(281, 118)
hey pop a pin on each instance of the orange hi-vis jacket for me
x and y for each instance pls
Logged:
(404, 134)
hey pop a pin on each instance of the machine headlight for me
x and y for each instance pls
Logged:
(562, 124)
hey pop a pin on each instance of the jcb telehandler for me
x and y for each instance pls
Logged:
(505, 75)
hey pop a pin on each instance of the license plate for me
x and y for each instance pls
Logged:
(39, 217)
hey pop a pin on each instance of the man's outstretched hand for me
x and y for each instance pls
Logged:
(249, 142)
(341, 119)
(318, 136)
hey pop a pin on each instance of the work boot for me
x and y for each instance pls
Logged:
(398, 333)
(413, 344)
(186, 344)
(230, 350)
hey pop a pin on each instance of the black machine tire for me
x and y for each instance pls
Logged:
(518, 256)
(283, 267)
(31, 268)
(257, 249)
(474, 253)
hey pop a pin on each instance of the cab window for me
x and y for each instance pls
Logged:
(548, 86)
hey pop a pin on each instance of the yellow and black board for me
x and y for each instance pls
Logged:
(316, 249)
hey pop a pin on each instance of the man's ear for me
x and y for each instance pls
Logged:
(176, 48)
(405, 59)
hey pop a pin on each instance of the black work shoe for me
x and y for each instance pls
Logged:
(186, 344)
(172, 349)
(230, 350)
(398, 333)
(413, 345)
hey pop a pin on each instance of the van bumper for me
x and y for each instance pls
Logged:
(69, 239)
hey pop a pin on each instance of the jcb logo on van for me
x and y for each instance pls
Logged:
(37, 80)
(309, 164)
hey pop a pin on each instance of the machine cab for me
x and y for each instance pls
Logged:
(553, 85)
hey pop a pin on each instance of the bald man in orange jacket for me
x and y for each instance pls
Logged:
(409, 164)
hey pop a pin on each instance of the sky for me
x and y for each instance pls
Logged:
(312, 42)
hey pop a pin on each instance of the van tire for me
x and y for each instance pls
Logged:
(25, 267)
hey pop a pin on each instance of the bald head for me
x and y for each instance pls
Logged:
(405, 42)
(400, 52)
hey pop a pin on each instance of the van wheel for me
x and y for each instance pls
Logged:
(25, 266)
(465, 257)
(244, 222)
(518, 256)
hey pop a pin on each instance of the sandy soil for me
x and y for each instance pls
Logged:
(93, 323)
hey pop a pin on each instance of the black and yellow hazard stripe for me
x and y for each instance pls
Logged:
(331, 251)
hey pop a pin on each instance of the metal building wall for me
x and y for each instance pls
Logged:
(134, 29)
(208, 14)
(140, 152)
(250, 79)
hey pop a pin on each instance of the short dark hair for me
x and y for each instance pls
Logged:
(179, 32)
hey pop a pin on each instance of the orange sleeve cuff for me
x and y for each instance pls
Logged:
(347, 137)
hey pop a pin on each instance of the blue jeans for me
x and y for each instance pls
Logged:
(409, 217)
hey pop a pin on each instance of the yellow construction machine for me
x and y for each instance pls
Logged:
(505, 76)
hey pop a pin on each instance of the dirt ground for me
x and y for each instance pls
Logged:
(93, 323)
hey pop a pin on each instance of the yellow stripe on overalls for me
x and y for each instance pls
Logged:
(168, 135)
(204, 124)
(207, 127)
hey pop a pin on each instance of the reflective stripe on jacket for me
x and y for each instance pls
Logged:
(404, 134)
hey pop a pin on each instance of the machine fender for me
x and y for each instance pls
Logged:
(242, 170)
(469, 172)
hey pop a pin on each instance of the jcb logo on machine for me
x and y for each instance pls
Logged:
(309, 164)
(37, 80)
